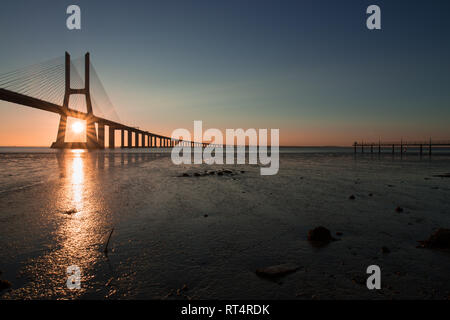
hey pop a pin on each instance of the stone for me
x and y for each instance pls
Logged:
(277, 270)
(440, 239)
(320, 235)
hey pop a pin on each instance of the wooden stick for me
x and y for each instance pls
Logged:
(107, 242)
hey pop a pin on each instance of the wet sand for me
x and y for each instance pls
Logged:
(206, 235)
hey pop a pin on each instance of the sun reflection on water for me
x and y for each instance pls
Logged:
(77, 180)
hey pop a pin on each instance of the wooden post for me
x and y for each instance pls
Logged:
(429, 151)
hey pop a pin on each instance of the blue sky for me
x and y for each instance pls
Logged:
(310, 68)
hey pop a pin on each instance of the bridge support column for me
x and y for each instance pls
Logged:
(142, 140)
(101, 135)
(112, 139)
(122, 138)
(130, 139)
(91, 135)
(61, 137)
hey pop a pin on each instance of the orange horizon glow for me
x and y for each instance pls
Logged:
(27, 127)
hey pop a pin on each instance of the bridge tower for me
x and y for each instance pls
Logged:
(91, 133)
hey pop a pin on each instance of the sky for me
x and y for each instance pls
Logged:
(309, 68)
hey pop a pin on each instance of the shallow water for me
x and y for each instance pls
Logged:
(162, 239)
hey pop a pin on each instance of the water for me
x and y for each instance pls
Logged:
(58, 208)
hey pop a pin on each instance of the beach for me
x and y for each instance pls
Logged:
(188, 232)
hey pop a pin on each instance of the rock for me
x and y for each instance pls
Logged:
(71, 211)
(352, 197)
(385, 249)
(185, 175)
(196, 174)
(444, 175)
(220, 173)
(370, 194)
(277, 271)
(228, 171)
(440, 239)
(320, 235)
(242, 171)
(399, 209)
(4, 284)
(206, 216)
(339, 233)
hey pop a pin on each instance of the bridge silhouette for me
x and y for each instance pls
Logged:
(17, 87)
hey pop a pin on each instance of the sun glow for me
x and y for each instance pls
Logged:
(77, 127)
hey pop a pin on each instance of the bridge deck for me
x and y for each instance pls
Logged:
(25, 100)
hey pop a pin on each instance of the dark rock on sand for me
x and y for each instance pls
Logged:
(385, 249)
(320, 235)
(196, 174)
(206, 216)
(220, 173)
(444, 175)
(352, 197)
(228, 171)
(70, 212)
(370, 194)
(399, 209)
(4, 284)
(185, 175)
(277, 271)
(440, 239)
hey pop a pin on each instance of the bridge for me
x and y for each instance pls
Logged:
(401, 145)
(18, 87)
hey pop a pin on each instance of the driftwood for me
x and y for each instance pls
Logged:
(107, 242)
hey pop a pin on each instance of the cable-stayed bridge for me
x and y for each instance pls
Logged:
(56, 86)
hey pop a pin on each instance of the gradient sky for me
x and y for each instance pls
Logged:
(309, 68)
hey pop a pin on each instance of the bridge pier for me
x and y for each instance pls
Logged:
(122, 138)
(112, 138)
(61, 136)
(130, 139)
(101, 135)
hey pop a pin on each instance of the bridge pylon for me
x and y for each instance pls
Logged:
(92, 141)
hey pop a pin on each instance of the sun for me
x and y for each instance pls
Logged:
(77, 127)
